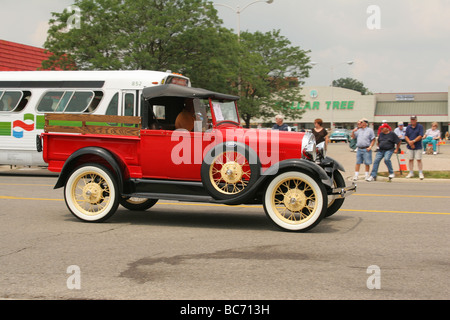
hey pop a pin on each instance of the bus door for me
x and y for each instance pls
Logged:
(130, 103)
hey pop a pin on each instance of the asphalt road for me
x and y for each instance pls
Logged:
(389, 241)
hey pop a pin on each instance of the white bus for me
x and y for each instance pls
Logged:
(25, 96)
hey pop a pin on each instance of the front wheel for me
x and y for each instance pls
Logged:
(335, 204)
(91, 193)
(295, 201)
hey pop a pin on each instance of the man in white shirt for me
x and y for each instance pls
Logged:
(400, 131)
(365, 139)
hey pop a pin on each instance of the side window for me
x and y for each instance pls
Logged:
(9, 100)
(50, 101)
(98, 95)
(64, 101)
(113, 107)
(69, 101)
(128, 109)
(79, 102)
(159, 112)
(23, 102)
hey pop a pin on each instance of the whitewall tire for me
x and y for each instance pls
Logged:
(91, 193)
(295, 201)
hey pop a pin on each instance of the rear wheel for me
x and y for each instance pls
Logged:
(295, 201)
(91, 193)
(137, 204)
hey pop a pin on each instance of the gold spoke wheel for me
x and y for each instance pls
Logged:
(294, 200)
(91, 193)
(230, 172)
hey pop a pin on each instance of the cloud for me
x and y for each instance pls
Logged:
(26, 21)
(409, 52)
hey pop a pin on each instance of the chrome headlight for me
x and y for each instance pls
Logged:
(322, 150)
(309, 147)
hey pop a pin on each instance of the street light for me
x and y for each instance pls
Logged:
(238, 11)
(332, 87)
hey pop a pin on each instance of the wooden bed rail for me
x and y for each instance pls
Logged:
(93, 124)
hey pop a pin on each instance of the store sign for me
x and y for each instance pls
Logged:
(404, 97)
(328, 105)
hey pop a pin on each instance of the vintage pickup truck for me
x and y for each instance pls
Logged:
(105, 161)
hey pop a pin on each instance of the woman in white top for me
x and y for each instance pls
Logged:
(431, 136)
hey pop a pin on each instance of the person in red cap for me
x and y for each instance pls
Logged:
(384, 123)
(388, 144)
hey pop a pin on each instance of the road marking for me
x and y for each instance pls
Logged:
(399, 196)
(237, 206)
(22, 198)
(392, 211)
(27, 184)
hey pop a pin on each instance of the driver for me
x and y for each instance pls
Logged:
(186, 118)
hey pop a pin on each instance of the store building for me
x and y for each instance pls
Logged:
(345, 107)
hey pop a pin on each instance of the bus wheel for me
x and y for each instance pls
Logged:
(91, 193)
(137, 204)
(295, 201)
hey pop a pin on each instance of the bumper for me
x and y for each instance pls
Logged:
(341, 193)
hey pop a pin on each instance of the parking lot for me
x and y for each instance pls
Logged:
(388, 241)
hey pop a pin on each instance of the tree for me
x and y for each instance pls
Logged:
(130, 34)
(267, 63)
(352, 84)
(184, 36)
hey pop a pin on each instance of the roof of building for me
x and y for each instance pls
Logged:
(20, 57)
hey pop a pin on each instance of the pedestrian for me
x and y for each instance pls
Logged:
(400, 131)
(319, 132)
(352, 142)
(279, 125)
(365, 139)
(384, 122)
(388, 144)
(431, 136)
(413, 137)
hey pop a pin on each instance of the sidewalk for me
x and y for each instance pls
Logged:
(440, 162)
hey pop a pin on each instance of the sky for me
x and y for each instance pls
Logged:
(399, 46)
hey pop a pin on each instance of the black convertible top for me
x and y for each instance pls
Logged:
(173, 90)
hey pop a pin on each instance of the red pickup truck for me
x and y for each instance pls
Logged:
(188, 145)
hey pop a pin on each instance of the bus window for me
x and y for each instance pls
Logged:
(9, 100)
(23, 102)
(49, 101)
(64, 101)
(79, 102)
(113, 107)
(95, 102)
(129, 105)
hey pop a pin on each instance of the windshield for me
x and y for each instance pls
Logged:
(225, 111)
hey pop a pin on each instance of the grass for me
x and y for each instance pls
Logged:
(427, 174)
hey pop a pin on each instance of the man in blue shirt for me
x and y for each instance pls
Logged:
(413, 138)
(279, 125)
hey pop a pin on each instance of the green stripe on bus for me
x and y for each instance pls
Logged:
(5, 128)
(40, 122)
